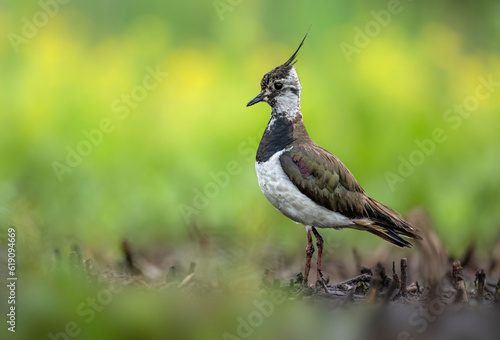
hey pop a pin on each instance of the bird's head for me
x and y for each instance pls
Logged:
(280, 87)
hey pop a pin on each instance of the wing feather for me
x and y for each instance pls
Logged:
(323, 178)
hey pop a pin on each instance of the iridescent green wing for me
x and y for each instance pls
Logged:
(324, 179)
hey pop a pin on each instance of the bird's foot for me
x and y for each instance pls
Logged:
(321, 282)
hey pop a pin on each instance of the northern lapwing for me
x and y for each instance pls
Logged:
(307, 183)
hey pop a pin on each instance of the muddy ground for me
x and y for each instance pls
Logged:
(446, 298)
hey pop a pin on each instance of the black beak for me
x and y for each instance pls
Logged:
(258, 98)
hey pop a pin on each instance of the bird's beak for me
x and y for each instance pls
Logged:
(258, 98)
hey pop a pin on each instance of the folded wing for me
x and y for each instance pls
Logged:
(325, 180)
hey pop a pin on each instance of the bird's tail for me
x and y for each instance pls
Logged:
(390, 236)
(387, 224)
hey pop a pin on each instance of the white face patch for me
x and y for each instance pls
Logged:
(288, 101)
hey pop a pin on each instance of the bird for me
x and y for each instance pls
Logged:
(307, 183)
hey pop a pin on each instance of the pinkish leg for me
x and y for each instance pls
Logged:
(309, 254)
(320, 282)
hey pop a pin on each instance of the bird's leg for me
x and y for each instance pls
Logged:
(309, 254)
(320, 281)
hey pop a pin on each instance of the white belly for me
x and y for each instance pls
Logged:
(283, 194)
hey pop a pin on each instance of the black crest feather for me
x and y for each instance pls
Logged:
(292, 59)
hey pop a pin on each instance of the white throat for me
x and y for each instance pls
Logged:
(287, 105)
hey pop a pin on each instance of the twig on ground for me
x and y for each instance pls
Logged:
(366, 270)
(480, 278)
(403, 266)
(380, 271)
(360, 278)
(458, 282)
(395, 277)
(497, 293)
(186, 281)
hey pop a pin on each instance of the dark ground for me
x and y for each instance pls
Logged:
(447, 298)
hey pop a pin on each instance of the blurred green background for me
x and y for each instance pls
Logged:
(173, 166)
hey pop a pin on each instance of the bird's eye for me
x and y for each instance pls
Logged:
(278, 86)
